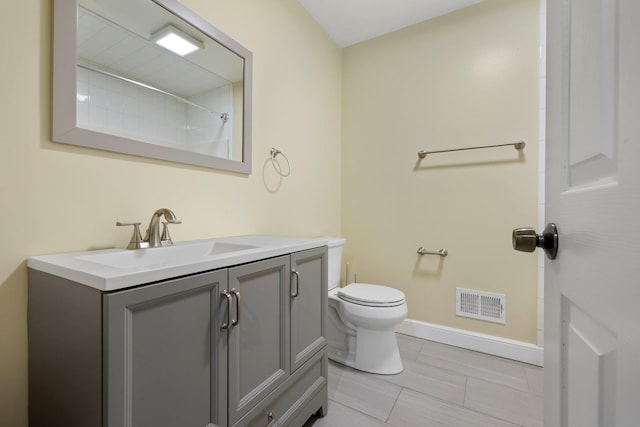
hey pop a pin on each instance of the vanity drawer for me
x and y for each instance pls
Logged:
(289, 402)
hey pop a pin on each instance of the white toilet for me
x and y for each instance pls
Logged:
(362, 319)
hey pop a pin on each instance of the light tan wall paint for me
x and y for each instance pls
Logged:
(56, 198)
(468, 78)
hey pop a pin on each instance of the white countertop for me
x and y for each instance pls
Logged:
(113, 269)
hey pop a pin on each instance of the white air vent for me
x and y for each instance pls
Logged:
(480, 305)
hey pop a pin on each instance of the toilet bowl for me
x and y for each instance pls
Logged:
(362, 318)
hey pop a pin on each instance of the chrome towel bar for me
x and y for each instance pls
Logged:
(517, 145)
(441, 252)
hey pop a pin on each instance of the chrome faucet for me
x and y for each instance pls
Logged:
(152, 238)
(153, 231)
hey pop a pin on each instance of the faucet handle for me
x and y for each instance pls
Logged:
(165, 240)
(136, 241)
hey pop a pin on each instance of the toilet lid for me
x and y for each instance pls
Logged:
(371, 295)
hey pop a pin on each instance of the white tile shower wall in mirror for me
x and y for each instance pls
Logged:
(202, 131)
(132, 111)
(107, 102)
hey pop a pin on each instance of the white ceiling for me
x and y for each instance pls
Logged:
(351, 21)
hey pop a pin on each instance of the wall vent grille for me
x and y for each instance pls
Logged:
(480, 305)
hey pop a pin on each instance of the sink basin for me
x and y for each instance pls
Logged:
(163, 256)
(114, 269)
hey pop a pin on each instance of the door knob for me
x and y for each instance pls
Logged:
(527, 240)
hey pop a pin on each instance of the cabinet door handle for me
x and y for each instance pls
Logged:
(297, 292)
(229, 302)
(237, 295)
(272, 419)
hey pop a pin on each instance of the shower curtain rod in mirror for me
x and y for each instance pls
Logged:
(223, 116)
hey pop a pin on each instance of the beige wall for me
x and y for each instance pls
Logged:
(56, 198)
(468, 78)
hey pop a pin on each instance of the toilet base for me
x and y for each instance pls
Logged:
(376, 352)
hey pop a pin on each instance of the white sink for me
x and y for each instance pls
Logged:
(163, 256)
(113, 269)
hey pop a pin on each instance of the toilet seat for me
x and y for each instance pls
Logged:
(371, 295)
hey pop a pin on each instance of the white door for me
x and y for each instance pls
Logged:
(592, 288)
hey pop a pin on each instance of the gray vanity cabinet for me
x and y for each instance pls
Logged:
(259, 342)
(308, 304)
(234, 347)
(278, 364)
(166, 357)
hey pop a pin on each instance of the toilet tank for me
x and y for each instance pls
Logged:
(336, 245)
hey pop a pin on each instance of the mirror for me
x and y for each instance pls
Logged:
(117, 87)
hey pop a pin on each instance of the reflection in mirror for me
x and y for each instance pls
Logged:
(134, 93)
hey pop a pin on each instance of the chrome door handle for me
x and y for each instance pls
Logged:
(527, 240)
(297, 292)
(237, 319)
(227, 295)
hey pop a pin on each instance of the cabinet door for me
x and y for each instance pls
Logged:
(308, 304)
(166, 354)
(259, 342)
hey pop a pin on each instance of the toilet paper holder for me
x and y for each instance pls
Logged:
(440, 252)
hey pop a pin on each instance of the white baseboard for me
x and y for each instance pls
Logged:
(497, 346)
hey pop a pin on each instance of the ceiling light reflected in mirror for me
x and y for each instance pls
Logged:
(176, 41)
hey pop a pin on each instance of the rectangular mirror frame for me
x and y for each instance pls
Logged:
(64, 106)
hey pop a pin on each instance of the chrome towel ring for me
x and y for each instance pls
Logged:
(276, 165)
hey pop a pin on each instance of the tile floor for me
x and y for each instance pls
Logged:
(441, 386)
